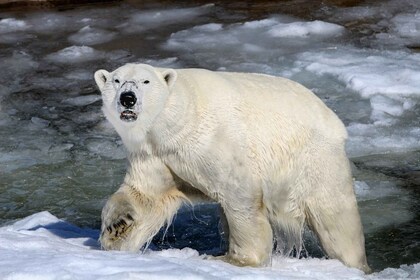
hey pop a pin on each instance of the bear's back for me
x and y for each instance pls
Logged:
(260, 94)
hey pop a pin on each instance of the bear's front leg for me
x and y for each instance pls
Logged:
(147, 200)
(130, 218)
(119, 218)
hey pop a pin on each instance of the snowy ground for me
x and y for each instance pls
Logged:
(57, 152)
(44, 247)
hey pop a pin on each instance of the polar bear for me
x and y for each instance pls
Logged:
(264, 147)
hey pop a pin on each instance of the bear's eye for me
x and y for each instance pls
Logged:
(146, 82)
(117, 81)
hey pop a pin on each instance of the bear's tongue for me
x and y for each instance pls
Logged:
(128, 116)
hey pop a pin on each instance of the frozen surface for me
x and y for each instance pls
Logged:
(44, 247)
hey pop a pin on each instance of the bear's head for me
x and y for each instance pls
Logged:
(134, 93)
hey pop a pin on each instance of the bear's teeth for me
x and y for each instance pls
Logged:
(128, 116)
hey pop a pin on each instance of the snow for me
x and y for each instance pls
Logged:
(42, 246)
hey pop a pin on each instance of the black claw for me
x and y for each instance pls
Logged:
(109, 229)
(130, 217)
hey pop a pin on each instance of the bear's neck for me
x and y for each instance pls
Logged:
(176, 122)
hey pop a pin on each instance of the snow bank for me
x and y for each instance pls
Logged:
(44, 247)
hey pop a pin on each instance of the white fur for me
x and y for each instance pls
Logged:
(266, 148)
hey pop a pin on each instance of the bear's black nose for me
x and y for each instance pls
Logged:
(128, 99)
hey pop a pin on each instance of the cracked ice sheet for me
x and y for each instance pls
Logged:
(390, 80)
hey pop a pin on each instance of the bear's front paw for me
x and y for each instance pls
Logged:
(120, 228)
(118, 221)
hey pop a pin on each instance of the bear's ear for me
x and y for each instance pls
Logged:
(169, 75)
(101, 76)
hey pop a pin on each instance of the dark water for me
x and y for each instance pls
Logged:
(57, 153)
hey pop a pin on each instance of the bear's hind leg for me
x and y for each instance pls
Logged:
(340, 233)
(331, 211)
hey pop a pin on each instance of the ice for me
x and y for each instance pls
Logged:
(402, 30)
(407, 25)
(386, 191)
(12, 25)
(75, 54)
(141, 21)
(390, 80)
(170, 62)
(386, 110)
(39, 122)
(260, 37)
(305, 29)
(14, 69)
(383, 189)
(83, 100)
(79, 74)
(50, 23)
(13, 38)
(368, 72)
(91, 36)
(351, 14)
(106, 148)
(394, 23)
(42, 246)
(366, 139)
(404, 272)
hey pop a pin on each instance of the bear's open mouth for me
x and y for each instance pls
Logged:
(128, 116)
